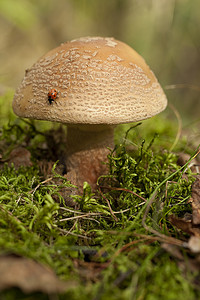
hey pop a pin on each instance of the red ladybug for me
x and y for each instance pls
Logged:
(52, 95)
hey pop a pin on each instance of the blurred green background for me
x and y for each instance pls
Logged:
(165, 32)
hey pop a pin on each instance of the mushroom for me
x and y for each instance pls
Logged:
(91, 84)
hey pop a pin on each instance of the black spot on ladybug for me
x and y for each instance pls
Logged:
(52, 95)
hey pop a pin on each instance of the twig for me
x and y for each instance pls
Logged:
(45, 181)
(75, 234)
(73, 211)
(72, 228)
(124, 248)
(125, 190)
(110, 208)
(121, 211)
(80, 216)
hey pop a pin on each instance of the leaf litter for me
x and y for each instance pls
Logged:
(30, 276)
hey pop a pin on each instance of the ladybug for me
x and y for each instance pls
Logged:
(52, 95)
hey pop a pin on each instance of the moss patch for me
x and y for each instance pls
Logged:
(110, 243)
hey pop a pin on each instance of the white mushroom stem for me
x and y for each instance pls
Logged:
(87, 150)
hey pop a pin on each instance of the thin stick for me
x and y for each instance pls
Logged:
(45, 181)
(73, 211)
(80, 216)
(125, 190)
(110, 208)
(75, 234)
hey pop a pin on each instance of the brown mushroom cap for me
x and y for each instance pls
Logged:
(98, 80)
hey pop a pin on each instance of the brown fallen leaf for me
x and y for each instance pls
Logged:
(185, 224)
(193, 165)
(30, 276)
(20, 156)
(195, 201)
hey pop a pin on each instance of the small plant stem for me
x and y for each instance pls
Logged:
(125, 190)
(110, 208)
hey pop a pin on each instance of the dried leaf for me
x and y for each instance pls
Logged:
(185, 224)
(193, 165)
(195, 201)
(29, 276)
(20, 157)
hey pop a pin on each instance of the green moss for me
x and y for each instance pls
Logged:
(104, 250)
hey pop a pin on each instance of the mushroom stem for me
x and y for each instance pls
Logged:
(87, 149)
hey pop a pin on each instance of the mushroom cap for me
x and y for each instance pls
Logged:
(98, 81)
